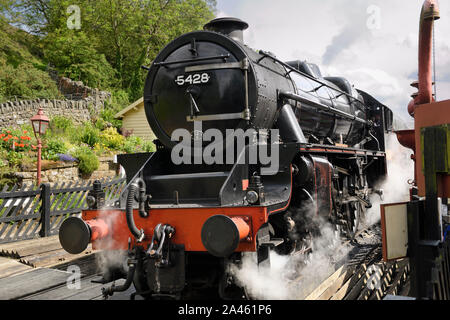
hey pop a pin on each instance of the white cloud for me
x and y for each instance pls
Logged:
(334, 34)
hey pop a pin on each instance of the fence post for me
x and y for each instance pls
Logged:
(45, 210)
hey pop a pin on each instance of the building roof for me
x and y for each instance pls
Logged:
(133, 106)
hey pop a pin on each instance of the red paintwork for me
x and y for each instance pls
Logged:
(99, 229)
(188, 223)
(430, 12)
(244, 228)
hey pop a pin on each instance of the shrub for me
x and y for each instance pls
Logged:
(26, 81)
(149, 147)
(61, 124)
(90, 135)
(133, 145)
(88, 161)
(112, 139)
(53, 149)
(14, 158)
(107, 115)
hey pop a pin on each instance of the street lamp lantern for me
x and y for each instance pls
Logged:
(40, 125)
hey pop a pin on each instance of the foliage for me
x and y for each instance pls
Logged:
(90, 135)
(16, 140)
(73, 56)
(64, 142)
(53, 149)
(61, 124)
(111, 139)
(149, 147)
(88, 161)
(115, 39)
(25, 82)
(133, 145)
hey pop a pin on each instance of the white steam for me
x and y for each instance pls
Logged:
(292, 277)
(400, 168)
(109, 259)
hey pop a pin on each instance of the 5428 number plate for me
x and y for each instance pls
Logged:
(196, 78)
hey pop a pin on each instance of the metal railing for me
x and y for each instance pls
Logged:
(30, 212)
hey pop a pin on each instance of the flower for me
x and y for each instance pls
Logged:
(34, 147)
(25, 132)
(66, 157)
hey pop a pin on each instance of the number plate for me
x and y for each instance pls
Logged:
(191, 79)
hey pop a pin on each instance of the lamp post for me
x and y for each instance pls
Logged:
(40, 124)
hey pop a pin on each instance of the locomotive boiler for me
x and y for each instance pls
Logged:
(183, 223)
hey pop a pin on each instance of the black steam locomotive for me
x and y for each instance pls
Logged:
(193, 218)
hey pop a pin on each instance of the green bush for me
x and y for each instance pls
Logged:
(111, 139)
(26, 82)
(133, 145)
(107, 115)
(14, 158)
(90, 135)
(149, 147)
(61, 124)
(53, 148)
(88, 161)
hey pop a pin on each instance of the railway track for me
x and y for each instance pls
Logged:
(360, 274)
(39, 270)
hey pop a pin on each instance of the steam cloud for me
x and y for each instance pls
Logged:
(108, 260)
(295, 277)
(395, 186)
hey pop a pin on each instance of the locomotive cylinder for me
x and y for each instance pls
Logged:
(76, 234)
(221, 235)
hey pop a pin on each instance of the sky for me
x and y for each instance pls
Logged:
(373, 43)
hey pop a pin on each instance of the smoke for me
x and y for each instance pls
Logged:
(110, 260)
(293, 277)
(396, 187)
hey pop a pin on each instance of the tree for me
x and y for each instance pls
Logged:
(115, 39)
(73, 55)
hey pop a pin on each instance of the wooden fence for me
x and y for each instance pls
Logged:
(30, 212)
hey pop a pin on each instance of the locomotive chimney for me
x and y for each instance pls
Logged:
(232, 27)
(430, 12)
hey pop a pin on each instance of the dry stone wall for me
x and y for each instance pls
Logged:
(81, 105)
(67, 172)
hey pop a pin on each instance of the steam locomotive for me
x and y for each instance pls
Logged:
(183, 223)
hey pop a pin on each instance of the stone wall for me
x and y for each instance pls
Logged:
(68, 172)
(16, 113)
(82, 104)
(76, 90)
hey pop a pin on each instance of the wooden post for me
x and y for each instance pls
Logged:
(45, 210)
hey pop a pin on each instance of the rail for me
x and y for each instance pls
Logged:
(30, 212)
